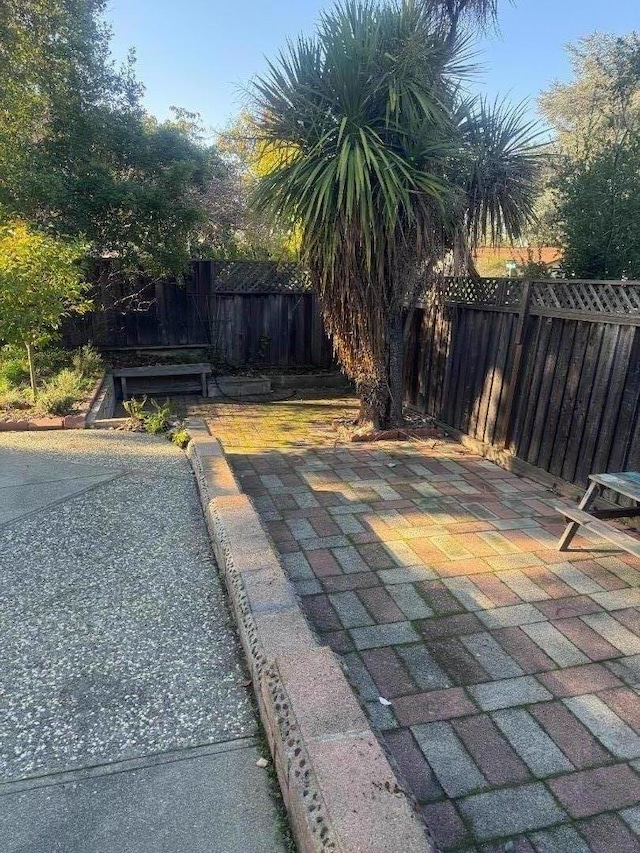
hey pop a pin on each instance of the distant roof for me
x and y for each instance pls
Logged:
(520, 254)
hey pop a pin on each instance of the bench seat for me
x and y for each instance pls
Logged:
(200, 369)
(601, 528)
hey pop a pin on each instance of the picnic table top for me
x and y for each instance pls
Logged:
(625, 483)
(164, 370)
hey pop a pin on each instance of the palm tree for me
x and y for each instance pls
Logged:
(383, 165)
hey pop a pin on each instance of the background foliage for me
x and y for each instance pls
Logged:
(79, 155)
(592, 196)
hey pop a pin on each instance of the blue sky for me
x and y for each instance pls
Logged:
(199, 54)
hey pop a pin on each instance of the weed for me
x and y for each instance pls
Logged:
(60, 394)
(154, 422)
(87, 361)
(135, 409)
(157, 421)
(13, 398)
(64, 378)
(180, 437)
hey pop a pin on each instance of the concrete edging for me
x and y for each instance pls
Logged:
(339, 788)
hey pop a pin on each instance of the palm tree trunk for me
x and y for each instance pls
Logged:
(396, 364)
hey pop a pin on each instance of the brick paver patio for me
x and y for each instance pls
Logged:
(510, 671)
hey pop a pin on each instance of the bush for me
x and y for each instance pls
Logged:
(157, 421)
(14, 371)
(12, 397)
(154, 422)
(87, 361)
(61, 393)
(49, 361)
(180, 438)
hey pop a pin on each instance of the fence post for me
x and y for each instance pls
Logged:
(506, 421)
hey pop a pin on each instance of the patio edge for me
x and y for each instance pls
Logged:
(339, 789)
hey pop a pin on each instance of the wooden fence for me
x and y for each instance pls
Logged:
(549, 371)
(244, 312)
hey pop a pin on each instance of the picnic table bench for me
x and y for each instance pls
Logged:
(169, 370)
(626, 483)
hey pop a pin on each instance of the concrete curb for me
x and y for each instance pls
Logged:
(340, 791)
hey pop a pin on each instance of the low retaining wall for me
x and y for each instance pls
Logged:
(246, 386)
(340, 791)
(104, 403)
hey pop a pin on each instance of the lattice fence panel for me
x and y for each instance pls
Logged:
(598, 297)
(258, 277)
(494, 292)
(607, 297)
(619, 297)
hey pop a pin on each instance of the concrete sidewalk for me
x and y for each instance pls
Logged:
(125, 722)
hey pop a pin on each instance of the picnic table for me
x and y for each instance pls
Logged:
(625, 483)
(169, 370)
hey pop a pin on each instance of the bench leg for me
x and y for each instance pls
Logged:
(123, 382)
(203, 379)
(572, 528)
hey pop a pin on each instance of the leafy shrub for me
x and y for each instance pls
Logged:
(13, 370)
(180, 438)
(87, 361)
(12, 397)
(50, 361)
(61, 393)
(135, 409)
(157, 421)
(154, 422)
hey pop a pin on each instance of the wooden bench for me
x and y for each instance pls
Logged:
(626, 483)
(124, 373)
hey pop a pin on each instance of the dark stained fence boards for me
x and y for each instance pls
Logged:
(268, 316)
(551, 370)
(569, 403)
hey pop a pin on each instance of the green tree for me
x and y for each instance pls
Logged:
(247, 159)
(79, 155)
(595, 180)
(40, 283)
(384, 166)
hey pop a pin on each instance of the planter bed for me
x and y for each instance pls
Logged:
(77, 420)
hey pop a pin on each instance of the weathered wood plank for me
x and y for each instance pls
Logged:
(612, 405)
(539, 358)
(597, 403)
(626, 483)
(556, 396)
(496, 328)
(540, 420)
(600, 528)
(500, 372)
(583, 396)
(567, 402)
(164, 370)
(628, 421)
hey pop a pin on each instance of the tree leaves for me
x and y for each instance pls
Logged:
(78, 154)
(40, 282)
(595, 171)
